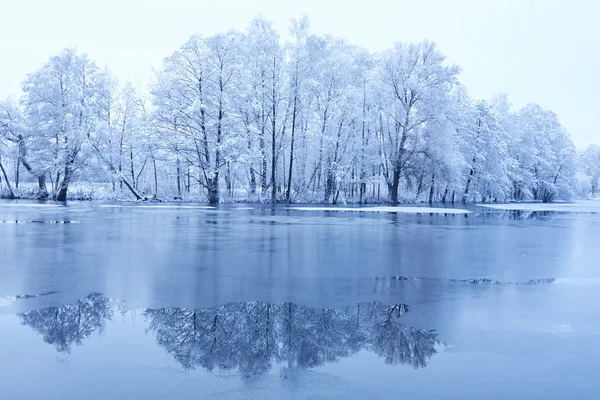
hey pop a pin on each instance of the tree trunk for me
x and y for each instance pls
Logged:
(252, 173)
(131, 164)
(178, 179)
(42, 190)
(395, 183)
(263, 165)
(466, 193)
(273, 132)
(11, 194)
(432, 189)
(213, 189)
(189, 179)
(288, 193)
(252, 180)
(132, 189)
(155, 177)
(61, 195)
(273, 162)
(17, 170)
(228, 179)
(445, 195)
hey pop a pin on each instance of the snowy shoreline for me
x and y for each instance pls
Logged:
(587, 206)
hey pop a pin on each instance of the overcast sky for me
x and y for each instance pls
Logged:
(542, 51)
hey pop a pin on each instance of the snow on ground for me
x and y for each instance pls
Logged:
(389, 209)
(178, 206)
(19, 204)
(579, 206)
(5, 301)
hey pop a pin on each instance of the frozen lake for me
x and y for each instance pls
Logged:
(108, 301)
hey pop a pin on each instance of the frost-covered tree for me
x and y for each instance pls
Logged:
(194, 112)
(415, 83)
(545, 154)
(590, 164)
(62, 104)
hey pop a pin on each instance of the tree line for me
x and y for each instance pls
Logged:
(250, 116)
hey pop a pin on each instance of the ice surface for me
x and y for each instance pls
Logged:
(579, 206)
(500, 325)
(388, 209)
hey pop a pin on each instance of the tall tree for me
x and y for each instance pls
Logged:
(61, 103)
(415, 85)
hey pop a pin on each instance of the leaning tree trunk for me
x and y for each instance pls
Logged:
(11, 194)
(42, 190)
(61, 195)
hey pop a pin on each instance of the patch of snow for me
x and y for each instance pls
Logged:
(29, 205)
(16, 221)
(580, 206)
(5, 301)
(388, 209)
(176, 206)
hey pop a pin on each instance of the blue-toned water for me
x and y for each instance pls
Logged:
(110, 301)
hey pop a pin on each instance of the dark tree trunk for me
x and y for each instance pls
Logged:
(466, 193)
(273, 163)
(252, 172)
(17, 173)
(273, 135)
(228, 180)
(432, 189)
(395, 184)
(252, 180)
(61, 195)
(329, 182)
(11, 194)
(131, 165)
(155, 176)
(288, 193)
(189, 179)
(213, 189)
(178, 179)
(42, 190)
(445, 195)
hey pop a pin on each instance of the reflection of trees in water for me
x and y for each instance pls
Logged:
(516, 215)
(64, 325)
(253, 336)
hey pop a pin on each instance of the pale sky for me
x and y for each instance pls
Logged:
(542, 51)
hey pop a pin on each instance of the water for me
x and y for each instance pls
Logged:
(120, 301)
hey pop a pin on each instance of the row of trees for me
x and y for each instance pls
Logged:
(246, 115)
